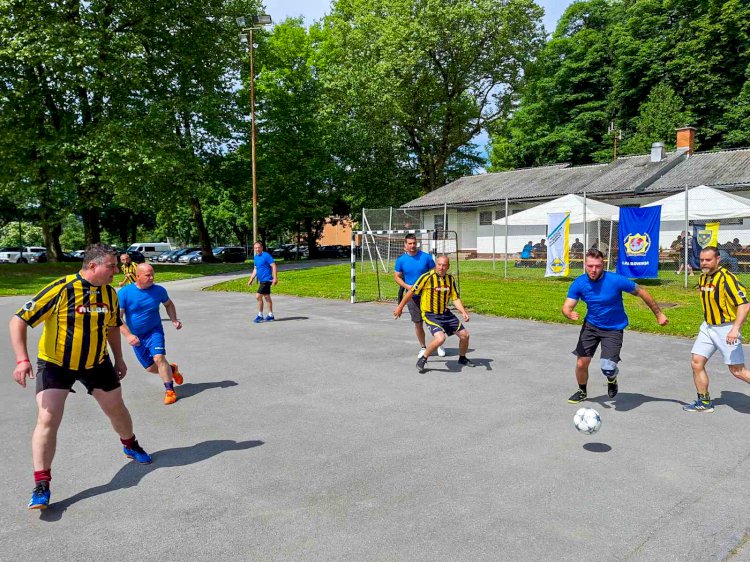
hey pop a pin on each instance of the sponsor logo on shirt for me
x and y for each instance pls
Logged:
(96, 308)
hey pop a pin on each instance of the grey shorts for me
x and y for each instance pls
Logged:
(712, 338)
(414, 311)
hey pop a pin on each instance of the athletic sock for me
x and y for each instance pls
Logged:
(582, 387)
(128, 442)
(43, 475)
(169, 385)
(705, 398)
(462, 356)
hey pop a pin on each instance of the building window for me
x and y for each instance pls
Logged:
(485, 218)
(438, 222)
(500, 213)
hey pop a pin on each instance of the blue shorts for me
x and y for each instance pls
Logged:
(445, 322)
(152, 344)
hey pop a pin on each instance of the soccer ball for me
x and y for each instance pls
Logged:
(587, 420)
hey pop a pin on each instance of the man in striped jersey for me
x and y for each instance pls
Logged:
(128, 270)
(725, 307)
(81, 315)
(436, 288)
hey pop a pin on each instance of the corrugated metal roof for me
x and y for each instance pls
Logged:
(727, 168)
(627, 175)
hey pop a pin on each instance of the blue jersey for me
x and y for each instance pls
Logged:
(413, 267)
(603, 299)
(141, 307)
(262, 265)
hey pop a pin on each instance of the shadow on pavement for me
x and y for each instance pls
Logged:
(597, 447)
(626, 401)
(454, 367)
(132, 473)
(192, 388)
(288, 318)
(736, 400)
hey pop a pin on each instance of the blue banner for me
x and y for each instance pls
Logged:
(638, 236)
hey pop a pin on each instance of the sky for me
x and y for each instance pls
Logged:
(313, 10)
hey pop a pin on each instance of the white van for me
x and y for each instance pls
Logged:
(150, 249)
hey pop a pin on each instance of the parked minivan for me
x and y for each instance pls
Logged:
(150, 249)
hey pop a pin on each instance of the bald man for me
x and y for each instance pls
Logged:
(139, 304)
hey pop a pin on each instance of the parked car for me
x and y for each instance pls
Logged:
(178, 253)
(135, 256)
(193, 257)
(78, 253)
(19, 254)
(230, 254)
(150, 249)
(282, 251)
(41, 257)
(333, 251)
(159, 258)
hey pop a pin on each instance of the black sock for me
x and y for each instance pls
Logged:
(169, 385)
(582, 387)
(704, 397)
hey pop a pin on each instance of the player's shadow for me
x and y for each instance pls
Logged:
(454, 367)
(288, 318)
(189, 389)
(626, 401)
(736, 400)
(132, 473)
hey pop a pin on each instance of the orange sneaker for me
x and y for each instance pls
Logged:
(170, 397)
(176, 375)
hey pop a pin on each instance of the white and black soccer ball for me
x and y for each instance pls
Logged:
(587, 420)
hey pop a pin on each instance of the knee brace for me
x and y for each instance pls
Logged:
(609, 367)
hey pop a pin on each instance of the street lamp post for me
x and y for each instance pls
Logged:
(247, 37)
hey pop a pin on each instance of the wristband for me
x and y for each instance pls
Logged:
(22, 361)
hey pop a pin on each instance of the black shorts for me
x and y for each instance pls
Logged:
(102, 376)
(591, 336)
(264, 288)
(445, 322)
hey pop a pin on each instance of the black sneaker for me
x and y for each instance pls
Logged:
(612, 387)
(421, 362)
(466, 362)
(579, 396)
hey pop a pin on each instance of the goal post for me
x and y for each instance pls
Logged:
(378, 250)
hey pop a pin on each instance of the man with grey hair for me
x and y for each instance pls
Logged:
(81, 315)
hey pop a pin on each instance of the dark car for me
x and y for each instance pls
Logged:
(230, 254)
(191, 257)
(41, 257)
(333, 251)
(282, 251)
(177, 254)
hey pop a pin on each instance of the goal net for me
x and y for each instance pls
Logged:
(374, 254)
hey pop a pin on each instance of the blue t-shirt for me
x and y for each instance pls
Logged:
(603, 299)
(262, 265)
(526, 252)
(411, 267)
(141, 307)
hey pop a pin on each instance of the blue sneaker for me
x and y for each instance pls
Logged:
(270, 318)
(699, 406)
(40, 496)
(137, 453)
(258, 319)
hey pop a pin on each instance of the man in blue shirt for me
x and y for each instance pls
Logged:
(409, 267)
(140, 303)
(264, 270)
(605, 319)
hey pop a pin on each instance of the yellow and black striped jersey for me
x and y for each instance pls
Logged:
(721, 294)
(76, 316)
(128, 270)
(435, 292)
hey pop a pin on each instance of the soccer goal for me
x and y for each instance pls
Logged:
(377, 251)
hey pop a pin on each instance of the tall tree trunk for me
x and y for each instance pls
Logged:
(203, 236)
(91, 228)
(51, 230)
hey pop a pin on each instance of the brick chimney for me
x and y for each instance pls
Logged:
(686, 139)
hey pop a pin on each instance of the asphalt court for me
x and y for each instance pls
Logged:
(314, 438)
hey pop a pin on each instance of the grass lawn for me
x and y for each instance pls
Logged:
(18, 279)
(484, 290)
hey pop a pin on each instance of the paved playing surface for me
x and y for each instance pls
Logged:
(314, 438)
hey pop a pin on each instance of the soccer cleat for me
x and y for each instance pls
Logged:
(466, 362)
(258, 319)
(421, 362)
(579, 396)
(441, 351)
(40, 496)
(421, 353)
(699, 406)
(137, 453)
(612, 386)
(176, 374)
(270, 318)
(170, 397)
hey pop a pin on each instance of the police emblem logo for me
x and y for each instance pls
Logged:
(557, 265)
(704, 237)
(637, 244)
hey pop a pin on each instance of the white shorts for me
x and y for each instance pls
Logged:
(711, 338)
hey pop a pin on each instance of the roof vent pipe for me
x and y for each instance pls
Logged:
(657, 152)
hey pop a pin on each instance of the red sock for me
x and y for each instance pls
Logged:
(42, 475)
(128, 442)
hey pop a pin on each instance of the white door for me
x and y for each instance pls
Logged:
(467, 233)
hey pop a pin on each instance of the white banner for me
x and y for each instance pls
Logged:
(558, 248)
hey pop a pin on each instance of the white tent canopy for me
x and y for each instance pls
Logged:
(595, 211)
(704, 203)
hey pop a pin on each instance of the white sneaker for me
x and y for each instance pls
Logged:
(421, 353)
(441, 351)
